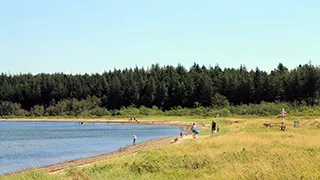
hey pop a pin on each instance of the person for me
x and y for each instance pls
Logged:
(181, 134)
(283, 126)
(134, 139)
(218, 127)
(213, 127)
(193, 129)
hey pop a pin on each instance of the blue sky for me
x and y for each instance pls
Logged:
(78, 36)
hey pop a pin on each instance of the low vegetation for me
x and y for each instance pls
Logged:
(90, 108)
(243, 150)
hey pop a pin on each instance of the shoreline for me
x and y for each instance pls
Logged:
(142, 146)
(101, 120)
(63, 166)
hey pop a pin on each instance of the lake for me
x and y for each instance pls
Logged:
(25, 145)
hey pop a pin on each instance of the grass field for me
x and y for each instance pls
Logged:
(243, 150)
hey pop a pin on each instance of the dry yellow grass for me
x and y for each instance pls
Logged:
(248, 150)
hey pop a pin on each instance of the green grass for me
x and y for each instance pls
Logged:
(33, 175)
(244, 150)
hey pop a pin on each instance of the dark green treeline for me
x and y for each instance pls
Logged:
(165, 87)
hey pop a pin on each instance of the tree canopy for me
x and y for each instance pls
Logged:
(164, 87)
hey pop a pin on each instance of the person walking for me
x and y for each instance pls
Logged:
(218, 128)
(193, 129)
(213, 127)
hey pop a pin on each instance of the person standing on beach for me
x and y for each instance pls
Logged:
(218, 127)
(181, 134)
(193, 129)
(134, 139)
(213, 127)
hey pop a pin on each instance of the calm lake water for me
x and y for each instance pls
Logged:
(26, 145)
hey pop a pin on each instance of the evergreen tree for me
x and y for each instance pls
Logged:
(165, 87)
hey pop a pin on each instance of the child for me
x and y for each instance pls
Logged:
(134, 139)
(181, 134)
(218, 127)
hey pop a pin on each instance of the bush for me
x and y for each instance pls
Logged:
(129, 111)
(91, 107)
(37, 110)
(262, 109)
(150, 111)
(52, 111)
(11, 109)
(178, 111)
(98, 111)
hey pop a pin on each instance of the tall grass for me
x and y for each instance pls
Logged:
(247, 150)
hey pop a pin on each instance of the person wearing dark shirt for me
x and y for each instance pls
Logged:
(213, 127)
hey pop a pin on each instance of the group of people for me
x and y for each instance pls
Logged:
(215, 128)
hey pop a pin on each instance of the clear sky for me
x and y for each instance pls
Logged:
(78, 36)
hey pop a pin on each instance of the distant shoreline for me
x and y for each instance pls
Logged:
(101, 120)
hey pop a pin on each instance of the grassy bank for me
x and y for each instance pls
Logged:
(243, 150)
